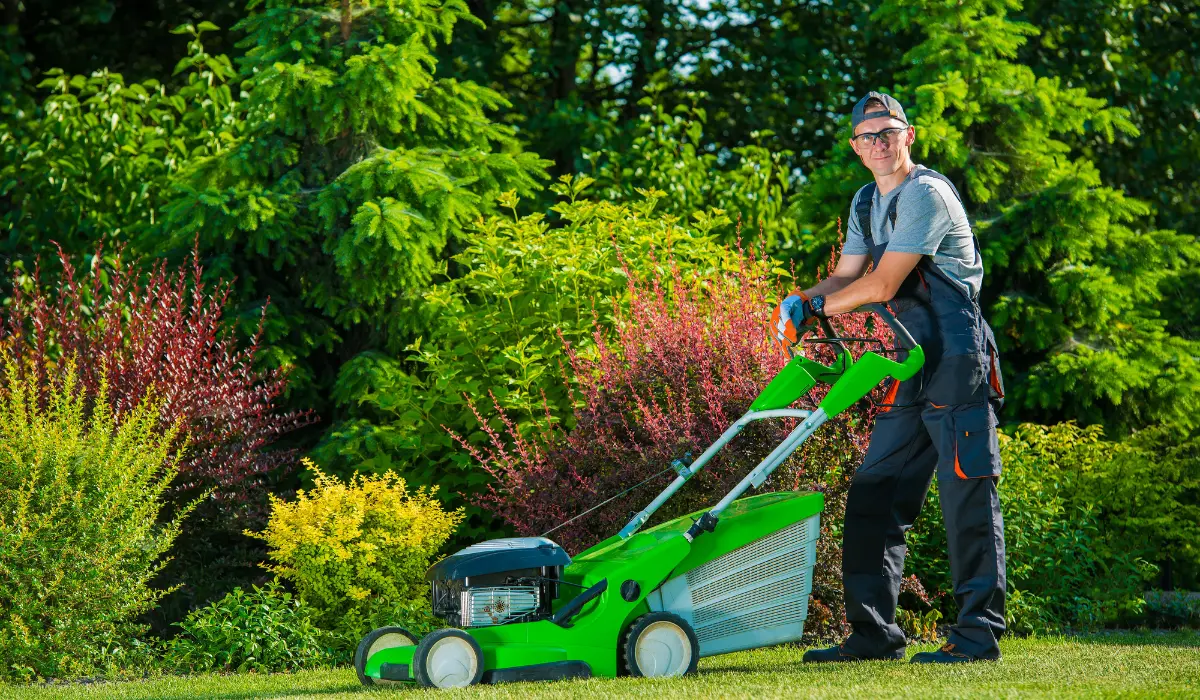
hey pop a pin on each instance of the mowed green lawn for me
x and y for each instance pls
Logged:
(1147, 664)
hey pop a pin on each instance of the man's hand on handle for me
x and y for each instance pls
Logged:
(848, 288)
(791, 318)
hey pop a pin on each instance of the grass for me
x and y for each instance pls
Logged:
(1141, 664)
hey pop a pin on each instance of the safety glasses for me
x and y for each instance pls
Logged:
(890, 137)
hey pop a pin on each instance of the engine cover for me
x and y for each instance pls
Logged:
(496, 582)
(496, 556)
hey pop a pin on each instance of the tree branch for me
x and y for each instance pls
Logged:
(725, 31)
(523, 23)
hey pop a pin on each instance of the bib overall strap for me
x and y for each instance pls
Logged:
(891, 215)
(862, 209)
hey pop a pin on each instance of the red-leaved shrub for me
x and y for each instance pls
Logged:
(163, 331)
(687, 357)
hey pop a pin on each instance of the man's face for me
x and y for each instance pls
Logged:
(889, 151)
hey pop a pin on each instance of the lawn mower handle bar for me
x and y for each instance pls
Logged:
(708, 521)
(810, 421)
(758, 475)
(903, 337)
(686, 471)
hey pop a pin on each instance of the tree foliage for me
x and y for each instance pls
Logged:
(355, 169)
(669, 151)
(1140, 56)
(92, 161)
(577, 71)
(116, 35)
(498, 326)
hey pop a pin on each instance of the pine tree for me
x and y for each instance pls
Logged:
(1139, 55)
(1074, 278)
(357, 171)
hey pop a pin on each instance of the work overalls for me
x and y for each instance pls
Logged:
(941, 421)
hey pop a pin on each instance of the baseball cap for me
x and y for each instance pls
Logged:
(891, 108)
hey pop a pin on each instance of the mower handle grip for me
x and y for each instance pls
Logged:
(903, 337)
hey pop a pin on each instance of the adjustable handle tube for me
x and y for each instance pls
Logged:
(902, 335)
(730, 432)
(799, 434)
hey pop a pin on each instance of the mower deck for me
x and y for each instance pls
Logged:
(635, 568)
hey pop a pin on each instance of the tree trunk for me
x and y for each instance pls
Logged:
(565, 43)
(647, 59)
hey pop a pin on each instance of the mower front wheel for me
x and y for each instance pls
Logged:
(376, 641)
(448, 658)
(661, 645)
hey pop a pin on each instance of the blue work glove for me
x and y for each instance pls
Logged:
(807, 311)
(793, 313)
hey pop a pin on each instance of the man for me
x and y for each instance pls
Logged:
(910, 223)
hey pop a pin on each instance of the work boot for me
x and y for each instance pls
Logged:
(839, 653)
(947, 655)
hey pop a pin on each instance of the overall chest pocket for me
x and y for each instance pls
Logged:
(976, 450)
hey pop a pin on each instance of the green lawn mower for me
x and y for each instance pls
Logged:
(647, 603)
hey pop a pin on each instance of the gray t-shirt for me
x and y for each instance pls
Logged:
(929, 220)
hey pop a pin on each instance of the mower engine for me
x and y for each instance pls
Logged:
(496, 582)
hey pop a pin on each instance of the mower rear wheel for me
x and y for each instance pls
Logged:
(448, 658)
(661, 645)
(376, 641)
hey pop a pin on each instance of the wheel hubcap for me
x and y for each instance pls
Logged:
(663, 651)
(451, 663)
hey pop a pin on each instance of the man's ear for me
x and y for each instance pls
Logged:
(912, 135)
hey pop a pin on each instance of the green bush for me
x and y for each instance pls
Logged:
(79, 533)
(266, 629)
(521, 288)
(357, 551)
(1173, 609)
(1145, 491)
(669, 151)
(1062, 570)
(91, 163)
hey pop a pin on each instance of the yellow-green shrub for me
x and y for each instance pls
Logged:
(353, 549)
(80, 536)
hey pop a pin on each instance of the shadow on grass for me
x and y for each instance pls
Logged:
(796, 667)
